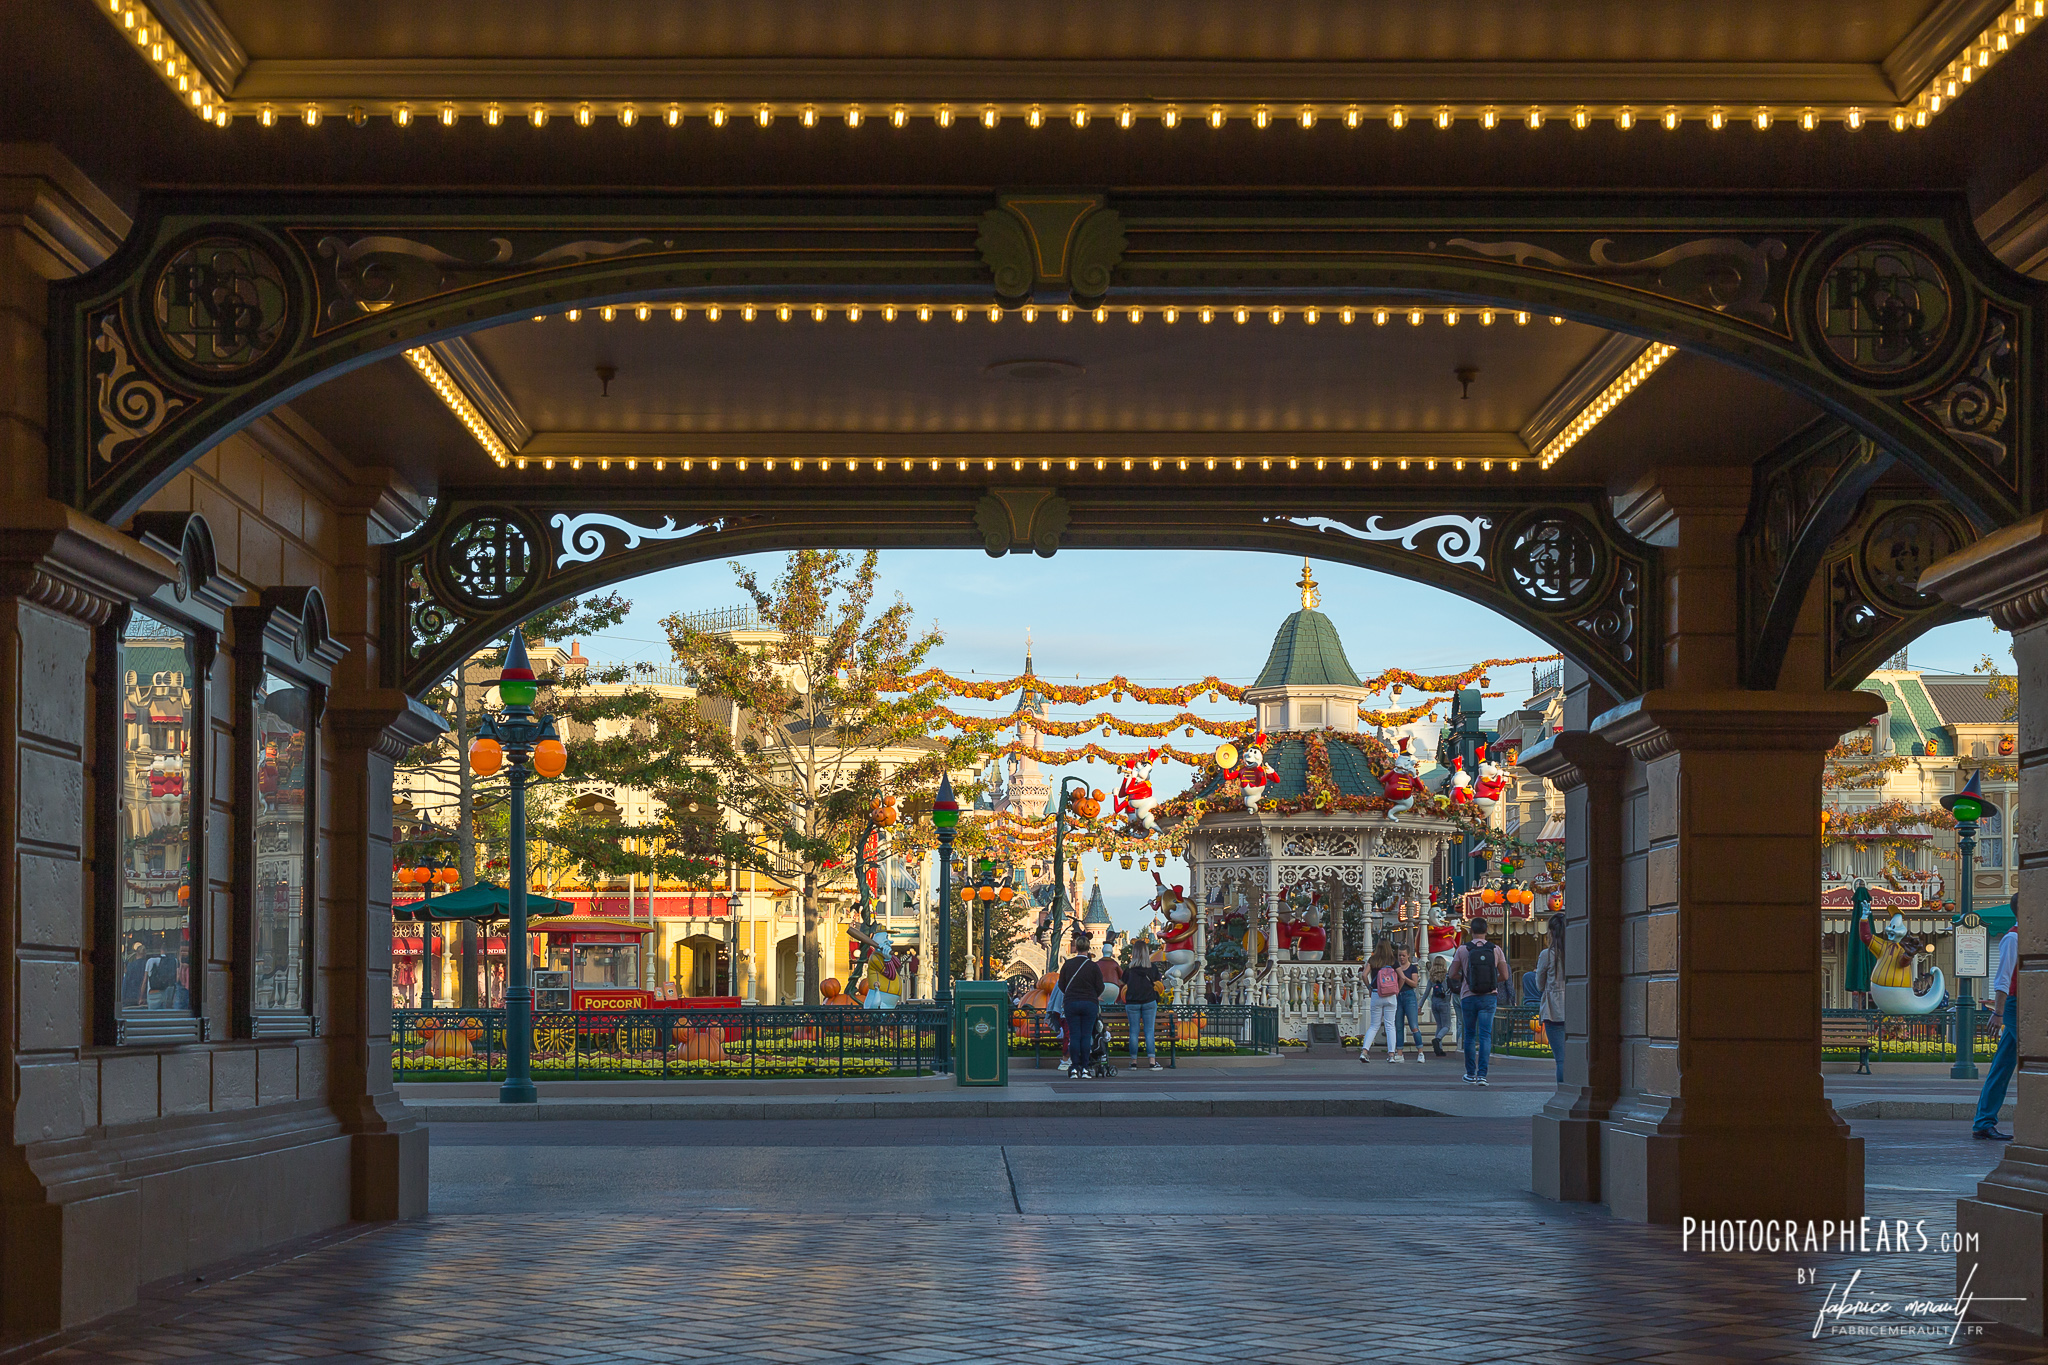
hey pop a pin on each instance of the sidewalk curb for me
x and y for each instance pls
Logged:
(867, 1107)
(1917, 1109)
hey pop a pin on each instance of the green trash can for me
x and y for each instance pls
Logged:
(981, 1032)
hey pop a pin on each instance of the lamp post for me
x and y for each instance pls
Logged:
(429, 872)
(945, 819)
(1059, 857)
(1968, 806)
(530, 745)
(995, 883)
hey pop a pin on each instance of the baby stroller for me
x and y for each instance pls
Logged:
(1099, 1055)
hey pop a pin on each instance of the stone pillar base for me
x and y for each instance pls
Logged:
(2010, 1261)
(1804, 1174)
(389, 1175)
(62, 1264)
(1564, 1158)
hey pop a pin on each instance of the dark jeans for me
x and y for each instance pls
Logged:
(1081, 1030)
(1443, 1010)
(1475, 1012)
(1407, 1011)
(1992, 1097)
(1553, 1030)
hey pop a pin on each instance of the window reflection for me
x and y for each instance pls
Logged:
(156, 817)
(282, 715)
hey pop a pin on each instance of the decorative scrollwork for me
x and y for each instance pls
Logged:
(584, 540)
(377, 270)
(487, 558)
(1615, 624)
(1725, 274)
(1900, 547)
(1883, 308)
(1399, 846)
(220, 307)
(1554, 560)
(1972, 410)
(428, 621)
(1457, 540)
(1098, 249)
(1238, 846)
(129, 406)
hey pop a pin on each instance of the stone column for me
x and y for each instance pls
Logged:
(1720, 1111)
(1565, 1140)
(2006, 575)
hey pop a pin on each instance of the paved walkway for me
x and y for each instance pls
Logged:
(1019, 1238)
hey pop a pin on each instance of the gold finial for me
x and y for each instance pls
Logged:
(1311, 597)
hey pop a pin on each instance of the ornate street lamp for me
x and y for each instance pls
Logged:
(945, 819)
(531, 746)
(996, 884)
(1087, 805)
(882, 815)
(1968, 806)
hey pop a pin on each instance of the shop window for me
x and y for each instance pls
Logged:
(156, 833)
(284, 660)
(153, 661)
(1991, 841)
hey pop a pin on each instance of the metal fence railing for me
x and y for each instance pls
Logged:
(1846, 1035)
(1179, 1031)
(463, 1045)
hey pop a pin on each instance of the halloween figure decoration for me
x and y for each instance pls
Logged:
(1459, 788)
(1491, 786)
(1134, 796)
(1178, 910)
(1400, 784)
(887, 970)
(1894, 987)
(1254, 774)
(1302, 931)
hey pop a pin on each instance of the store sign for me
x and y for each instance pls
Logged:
(1881, 898)
(1973, 950)
(613, 1000)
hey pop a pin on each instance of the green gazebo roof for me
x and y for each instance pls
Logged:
(1307, 652)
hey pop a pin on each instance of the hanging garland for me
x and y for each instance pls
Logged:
(1120, 687)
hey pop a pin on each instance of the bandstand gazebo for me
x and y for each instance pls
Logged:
(1321, 831)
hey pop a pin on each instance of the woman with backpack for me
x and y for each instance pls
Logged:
(1408, 1004)
(1383, 1000)
(1081, 989)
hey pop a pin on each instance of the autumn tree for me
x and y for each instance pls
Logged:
(815, 720)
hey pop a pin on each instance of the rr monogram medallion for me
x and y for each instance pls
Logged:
(220, 307)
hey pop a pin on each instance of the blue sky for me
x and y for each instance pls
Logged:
(1161, 617)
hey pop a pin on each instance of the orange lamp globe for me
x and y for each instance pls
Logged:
(1008, 893)
(486, 756)
(550, 756)
(988, 893)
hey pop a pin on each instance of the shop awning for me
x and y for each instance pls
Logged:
(1997, 917)
(485, 900)
(588, 929)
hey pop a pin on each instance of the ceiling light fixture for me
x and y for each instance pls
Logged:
(1609, 398)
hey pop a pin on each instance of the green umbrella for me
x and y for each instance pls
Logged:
(485, 900)
(1856, 959)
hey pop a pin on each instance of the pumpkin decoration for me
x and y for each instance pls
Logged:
(1188, 1029)
(703, 1045)
(452, 1042)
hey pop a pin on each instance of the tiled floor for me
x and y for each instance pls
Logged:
(1439, 1279)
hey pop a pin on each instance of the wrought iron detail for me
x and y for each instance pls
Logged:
(1553, 559)
(367, 273)
(1614, 625)
(1457, 540)
(128, 405)
(584, 539)
(219, 308)
(1883, 310)
(428, 620)
(1900, 547)
(487, 558)
(1973, 409)
(1872, 575)
(1726, 274)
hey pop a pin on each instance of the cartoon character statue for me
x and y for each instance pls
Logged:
(1492, 784)
(1459, 788)
(1134, 798)
(1303, 929)
(1893, 986)
(1253, 773)
(1400, 784)
(887, 971)
(1178, 910)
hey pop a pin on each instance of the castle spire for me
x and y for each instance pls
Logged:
(1311, 596)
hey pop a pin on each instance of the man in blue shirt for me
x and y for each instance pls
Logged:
(2003, 1004)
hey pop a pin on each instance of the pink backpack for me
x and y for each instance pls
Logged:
(1387, 981)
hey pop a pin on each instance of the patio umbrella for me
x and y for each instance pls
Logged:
(485, 900)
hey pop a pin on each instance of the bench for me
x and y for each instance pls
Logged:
(1846, 1031)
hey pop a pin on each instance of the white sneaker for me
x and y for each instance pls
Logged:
(1397, 1059)
(1365, 1060)
(1081, 1075)
(1066, 1064)
(1481, 1080)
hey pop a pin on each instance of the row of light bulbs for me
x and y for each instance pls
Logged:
(1534, 116)
(890, 312)
(1994, 42)
(1588, 417)
(1072, 466)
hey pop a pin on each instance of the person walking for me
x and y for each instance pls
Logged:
(2005, 1005)
(1480, 972)
(1550, 991)
(1408, 1004)
(1141, 1003)
(1441, 1003)
(1383, 991)
(1081, 987)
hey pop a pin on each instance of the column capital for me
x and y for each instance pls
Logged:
(67, 562)
(2004, 575)
(386, 722)
(1570, 758)
(1666, 721)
